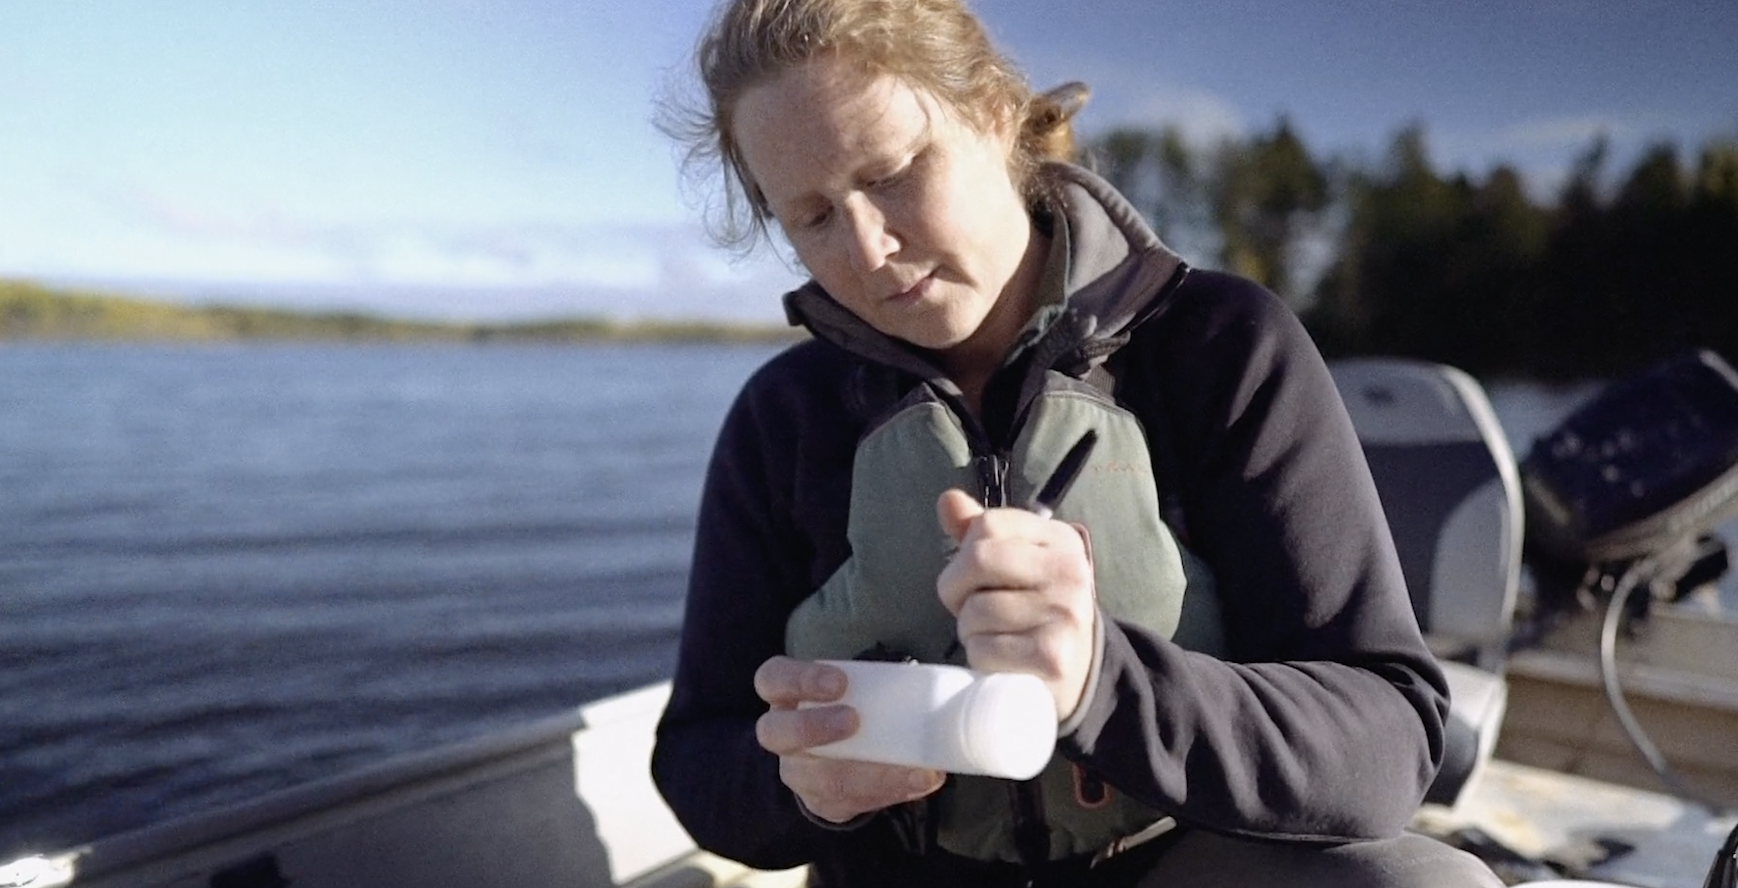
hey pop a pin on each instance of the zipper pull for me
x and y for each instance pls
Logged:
(993, 480)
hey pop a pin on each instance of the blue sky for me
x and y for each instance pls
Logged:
(469, 158)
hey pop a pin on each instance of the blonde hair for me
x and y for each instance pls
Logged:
(935, 46)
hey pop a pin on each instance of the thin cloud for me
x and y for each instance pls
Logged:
(533, 267)
(1203, 116)
(1125, 98)
(177, 215)
(1562, 132)
(1546, 149)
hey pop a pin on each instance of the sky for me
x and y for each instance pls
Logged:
(497, 159)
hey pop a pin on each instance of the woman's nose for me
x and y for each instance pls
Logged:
(870, 241)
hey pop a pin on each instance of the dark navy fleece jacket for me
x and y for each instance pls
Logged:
(1323, 723)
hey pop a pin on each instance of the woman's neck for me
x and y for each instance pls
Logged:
(971, 363)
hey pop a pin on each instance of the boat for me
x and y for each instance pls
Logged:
(1551, 775)
(1525, 576)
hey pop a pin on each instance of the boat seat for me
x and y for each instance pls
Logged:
(1451, 491)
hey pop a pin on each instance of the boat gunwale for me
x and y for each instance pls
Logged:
(507, 748)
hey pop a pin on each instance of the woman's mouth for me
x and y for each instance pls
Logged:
(914, 292)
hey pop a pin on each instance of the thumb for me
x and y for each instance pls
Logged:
(956, 510)
(1085, 538)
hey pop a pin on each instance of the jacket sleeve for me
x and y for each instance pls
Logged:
(745, 576)
(1325, 720)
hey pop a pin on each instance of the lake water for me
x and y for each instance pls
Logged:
(227, 570)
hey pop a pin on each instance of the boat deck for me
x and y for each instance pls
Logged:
(1583, 828)
(1563, 826)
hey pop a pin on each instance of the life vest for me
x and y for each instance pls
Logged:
(1107, 273)
(883, 598)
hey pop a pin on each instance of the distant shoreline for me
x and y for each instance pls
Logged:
(32, 312)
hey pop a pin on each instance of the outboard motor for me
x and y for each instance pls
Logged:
(1649, 462)
(1625, 494)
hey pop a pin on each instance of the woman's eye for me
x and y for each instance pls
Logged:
(813, 220)
(907, 171)
(881, 183)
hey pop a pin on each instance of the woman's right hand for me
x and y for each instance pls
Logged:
(834, 790)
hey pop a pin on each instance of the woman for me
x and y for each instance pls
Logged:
(1240, 687)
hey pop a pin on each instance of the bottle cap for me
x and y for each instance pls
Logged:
(1008, 727)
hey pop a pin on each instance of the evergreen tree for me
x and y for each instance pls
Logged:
(1166, 181)
(1452, 268)
(1268, 195)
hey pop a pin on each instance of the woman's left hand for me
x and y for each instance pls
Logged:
(1021, 591)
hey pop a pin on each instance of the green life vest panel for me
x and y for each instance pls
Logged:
(884, 596)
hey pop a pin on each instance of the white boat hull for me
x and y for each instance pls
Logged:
(569, 801)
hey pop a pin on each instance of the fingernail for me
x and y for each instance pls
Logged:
(842, 720)
(923, 781)
(831, 682)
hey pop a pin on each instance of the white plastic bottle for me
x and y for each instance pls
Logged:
(924, 715)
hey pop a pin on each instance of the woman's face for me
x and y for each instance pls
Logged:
(902, 212)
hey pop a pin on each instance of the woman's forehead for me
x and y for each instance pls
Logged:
(830, 96)
(823, 116)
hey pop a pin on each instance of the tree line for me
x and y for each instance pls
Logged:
(30, 311)
(1616, 270)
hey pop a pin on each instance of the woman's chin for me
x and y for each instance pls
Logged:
(939, 337)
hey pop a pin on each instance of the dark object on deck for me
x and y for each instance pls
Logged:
(255, 872)
(1510, 865)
